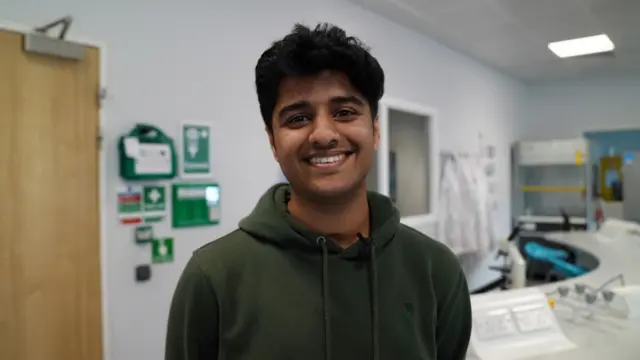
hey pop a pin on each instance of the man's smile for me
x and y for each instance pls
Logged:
(329, 160)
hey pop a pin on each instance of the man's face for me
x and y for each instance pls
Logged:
(323, 134)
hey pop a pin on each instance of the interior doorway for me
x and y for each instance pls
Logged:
(407, 160)
(409, 167)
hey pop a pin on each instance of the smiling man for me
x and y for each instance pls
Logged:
(321, 269)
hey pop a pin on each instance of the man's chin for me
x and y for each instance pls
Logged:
(329, 190)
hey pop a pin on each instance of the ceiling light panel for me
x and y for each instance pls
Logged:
(582, 46)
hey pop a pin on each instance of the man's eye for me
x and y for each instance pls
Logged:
(344, 113)
(297, 120)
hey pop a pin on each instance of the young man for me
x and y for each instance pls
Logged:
(321, 269)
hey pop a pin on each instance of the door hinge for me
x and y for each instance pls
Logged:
(99, 138)
(102, 95)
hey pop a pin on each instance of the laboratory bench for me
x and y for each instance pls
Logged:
(601, 337)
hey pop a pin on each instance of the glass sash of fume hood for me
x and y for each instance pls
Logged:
(550, 182)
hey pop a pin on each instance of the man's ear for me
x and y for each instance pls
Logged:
(376, 132)
(271, 142)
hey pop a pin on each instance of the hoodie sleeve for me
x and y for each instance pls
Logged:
(192, 331)
(454, 321)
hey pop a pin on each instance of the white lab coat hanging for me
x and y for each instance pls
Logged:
(450, 207)
(464, 216)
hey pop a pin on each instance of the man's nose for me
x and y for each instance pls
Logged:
(324, 133)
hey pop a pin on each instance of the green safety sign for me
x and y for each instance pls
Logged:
(129, 202)
(195, 205)
(153, 219)
(154, 198)
(162, 250)
(196, 155)
(142, 204)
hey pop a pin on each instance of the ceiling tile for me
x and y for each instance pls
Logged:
(508, 48)
(430, 6)
(551, 20)
(536, 11)
(619, 7)
(619, 16)
(478, 20)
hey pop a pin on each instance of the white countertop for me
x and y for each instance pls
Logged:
(551, 219)
(604, 337)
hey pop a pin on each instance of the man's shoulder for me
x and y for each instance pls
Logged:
(422, 245)
(418, 240)
(429, 256)
(235, 240)
(226, 252)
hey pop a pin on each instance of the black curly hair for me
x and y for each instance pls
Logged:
(305, 52)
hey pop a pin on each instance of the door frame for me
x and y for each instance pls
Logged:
(102, 177)
(422, 221)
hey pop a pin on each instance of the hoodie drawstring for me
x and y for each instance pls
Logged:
(322, 241)
(373, 270)
(373, 283)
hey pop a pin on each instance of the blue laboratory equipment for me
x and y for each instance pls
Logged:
(556, 257)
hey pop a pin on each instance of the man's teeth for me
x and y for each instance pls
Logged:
(328, 159)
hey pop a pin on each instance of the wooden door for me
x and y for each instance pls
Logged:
(50, 294)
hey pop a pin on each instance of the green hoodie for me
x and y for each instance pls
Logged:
(274, 290)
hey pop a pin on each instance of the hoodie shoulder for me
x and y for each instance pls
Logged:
(226, 256)
(436, 253)
(233, 244)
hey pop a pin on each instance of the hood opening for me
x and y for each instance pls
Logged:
(271, 222)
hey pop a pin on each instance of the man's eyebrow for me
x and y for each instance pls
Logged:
(341, 100)
(296, 106)
(336, 100)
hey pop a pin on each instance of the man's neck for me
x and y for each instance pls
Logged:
(342, 221)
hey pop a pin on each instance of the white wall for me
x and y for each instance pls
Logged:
(170, 60)
(568, 109)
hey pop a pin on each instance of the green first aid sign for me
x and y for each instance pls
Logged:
(196, 152)
(154, 198)
(162, 250)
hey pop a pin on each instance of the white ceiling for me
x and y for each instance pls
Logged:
(512, 35)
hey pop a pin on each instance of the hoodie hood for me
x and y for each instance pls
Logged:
(270, 221)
